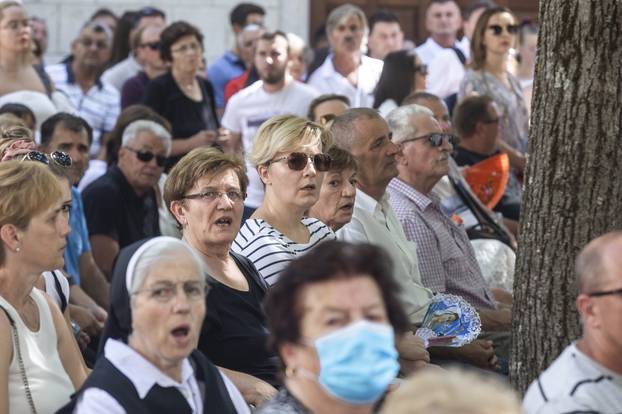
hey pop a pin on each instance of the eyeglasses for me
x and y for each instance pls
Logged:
(60, 158)
(192, 47)
(606, 293)
(212, 195)
(146, 156)
(164, 292)
(297, 161)
(88, 42)
(498, 29)
(151, 45)
(17, 25)
(422, 69)
(435, 139)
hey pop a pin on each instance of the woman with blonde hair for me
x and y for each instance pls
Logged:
(494, 37)
(288, 155)
(40, 365)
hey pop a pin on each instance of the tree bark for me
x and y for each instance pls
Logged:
(573, 186)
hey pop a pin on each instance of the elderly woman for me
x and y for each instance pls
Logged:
(346, 70)
(287, 153)
(40, 364)
(494, 36)
(333, 319)
(336, 202)
(157, 370)
(183, 98)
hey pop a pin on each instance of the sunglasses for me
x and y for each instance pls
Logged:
(60, 158)
(151, 45)
(435, 139)
(88, 43)
(297, 161)
(498, 29)
(421, 69)
(491, 121)
(146, 156)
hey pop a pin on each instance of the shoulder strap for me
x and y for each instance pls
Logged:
(61, 294)
(45, 79)
(461, 56)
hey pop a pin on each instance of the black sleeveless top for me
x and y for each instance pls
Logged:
(159, 399)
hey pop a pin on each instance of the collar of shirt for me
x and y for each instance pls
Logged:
(143, 374)
(421, 200)
(233, 59)
(370, 205)
(327, 69)
(71, 77)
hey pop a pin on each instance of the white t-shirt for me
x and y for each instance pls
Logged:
(444, 67)
(249, 108)
(575, 383)
(327, 80)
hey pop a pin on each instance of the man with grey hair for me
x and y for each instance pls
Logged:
(447, 261)
(120, 206)
(365, 134)
(346, 70)
(95, 100)
(587, 376)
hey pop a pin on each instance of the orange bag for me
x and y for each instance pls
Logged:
(489, 178)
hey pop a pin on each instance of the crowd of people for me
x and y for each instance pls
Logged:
(268, 232)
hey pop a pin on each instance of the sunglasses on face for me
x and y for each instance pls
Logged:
(491, 121)
(60, 158)
(146, 156)
(498, 29)
(617, 292)
(297, 161)
(435, 139)
(421, 69)
(88, 43)
(151, 45)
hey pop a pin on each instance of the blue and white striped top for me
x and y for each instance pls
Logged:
(270, 250)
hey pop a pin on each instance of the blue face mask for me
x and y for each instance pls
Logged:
(358, 362)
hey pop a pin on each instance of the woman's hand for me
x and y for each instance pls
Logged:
(260, 393)
(203, 138)
(87, 321)
(412, 348)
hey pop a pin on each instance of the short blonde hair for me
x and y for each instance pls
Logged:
(452, 391)
(26, 189)
(285, 133)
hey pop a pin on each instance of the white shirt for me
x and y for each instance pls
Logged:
(144, 375)
(575, 383)
(121, 72)
(249, 108)
(445, 71)
(327, 80)
(375, 222)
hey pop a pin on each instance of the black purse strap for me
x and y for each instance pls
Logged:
(20, 361)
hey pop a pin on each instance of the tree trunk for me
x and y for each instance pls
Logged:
(573, 190)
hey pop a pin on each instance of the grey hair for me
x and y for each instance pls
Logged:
(133, 129)
(156, 251)
(344, 130)
(400, 124)
(343, 11)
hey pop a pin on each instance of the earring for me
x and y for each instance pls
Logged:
(289, 372)
(17, 249)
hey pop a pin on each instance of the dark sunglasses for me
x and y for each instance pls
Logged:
(151, 45)
(491, 121)
(435, 139)
(421, 69)
(146, 156)
(498, 29)
(297, 161)
(58, 157)
(606, 293)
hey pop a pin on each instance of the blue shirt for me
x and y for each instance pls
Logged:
(78, 240)
(225, 68)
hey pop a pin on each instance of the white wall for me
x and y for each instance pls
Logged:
(65, 17)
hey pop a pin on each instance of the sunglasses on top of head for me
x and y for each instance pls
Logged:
(297, 161)
(146, 156)
(498, 29)
(435, 139)
(59, 158)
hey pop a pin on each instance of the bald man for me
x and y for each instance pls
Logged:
(587, 376)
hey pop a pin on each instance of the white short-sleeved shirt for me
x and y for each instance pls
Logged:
(99, 106)
(270, 250)
(574, 383)
(249, 108)
(327, 80)
(144, 375)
